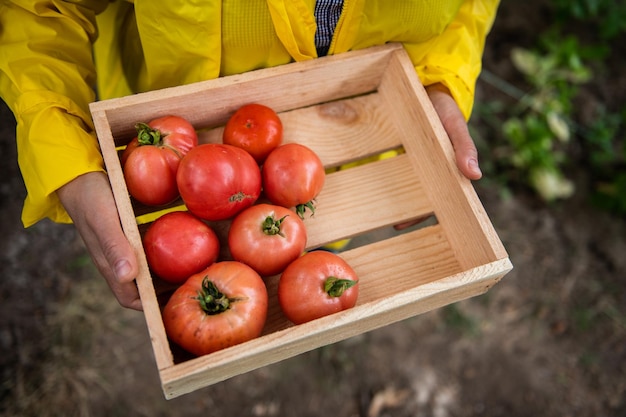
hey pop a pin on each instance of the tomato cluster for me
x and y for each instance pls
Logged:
(150, 161)
(222, 302)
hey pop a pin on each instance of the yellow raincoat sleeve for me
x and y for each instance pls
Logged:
(455, 57)
(46, 78)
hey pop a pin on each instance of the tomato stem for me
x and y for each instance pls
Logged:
(271, 226)
(211, 299)
(147, 135)
(238, 197)
(301, 208)
(335, 287)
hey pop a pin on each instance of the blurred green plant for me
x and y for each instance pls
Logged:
(608, 17)
(541, 130)
(539, 127)
(603, 139)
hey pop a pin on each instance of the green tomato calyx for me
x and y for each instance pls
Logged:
(147, 135)
(301, 208)
(335, 287)
(211, 299)
(271, 226)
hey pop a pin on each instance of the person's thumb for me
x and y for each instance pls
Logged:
(122, 261)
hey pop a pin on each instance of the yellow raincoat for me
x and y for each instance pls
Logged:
(49, 59)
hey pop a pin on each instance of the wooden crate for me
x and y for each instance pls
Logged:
(346, 108)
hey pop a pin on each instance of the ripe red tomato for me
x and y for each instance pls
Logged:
(178, 245)
(150, 161)
(217, 181)
(255, 128)
(317, 284)
(267, 238)
(293, 176)
(224, 305)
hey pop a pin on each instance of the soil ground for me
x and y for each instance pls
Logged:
(548, 340)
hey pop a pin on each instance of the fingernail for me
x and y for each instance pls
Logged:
(122, 268)
(473, 166)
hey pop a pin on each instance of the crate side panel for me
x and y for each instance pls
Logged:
(210, 369)
(209, 103)
(163, 355)
(456, 204)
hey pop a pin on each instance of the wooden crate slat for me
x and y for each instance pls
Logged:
(366, 198)
(343, 131)
(402, 262)
(458, 208)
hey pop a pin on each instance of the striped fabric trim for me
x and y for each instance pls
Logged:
(327, 14)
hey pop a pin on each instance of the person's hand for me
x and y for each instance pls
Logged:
(89, 201)
(455, 125)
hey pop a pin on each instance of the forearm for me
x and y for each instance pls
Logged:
(45, 78)
(454, 58)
